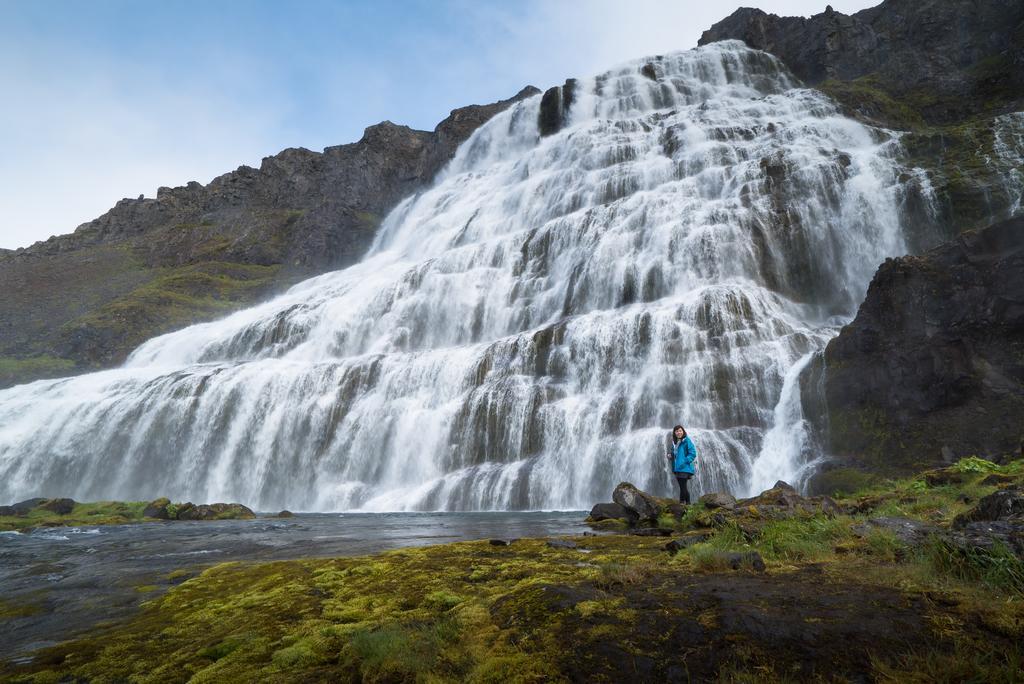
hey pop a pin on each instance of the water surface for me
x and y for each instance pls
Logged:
(78, 577)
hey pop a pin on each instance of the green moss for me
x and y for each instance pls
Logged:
(176, 297)
(474, 612)
(15, 370)
(10, 610)
(95, 513)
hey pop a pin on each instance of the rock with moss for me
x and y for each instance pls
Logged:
(934, 358)
(157, 509)
(642, 505)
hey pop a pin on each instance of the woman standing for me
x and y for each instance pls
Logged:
(682, 453)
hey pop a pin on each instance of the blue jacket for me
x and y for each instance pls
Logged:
(684, 455)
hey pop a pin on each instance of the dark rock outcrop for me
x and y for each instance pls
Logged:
(951, 58)
(640, 503)
(934, 357)
(718, 500)
(216, 511)
(22, 507)
(907, 530)
(58, 506)
(612, 511)
(555, 106)
(84, 300)
(158, 509)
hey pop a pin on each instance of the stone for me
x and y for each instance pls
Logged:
(562, 544)
(612, 511)
(688, 540)
(157, 509)
(640, 503)
(718, 500)
(285, 514)
(984, 535)
(737, 560)
(58, 506)
(1002, 504)
(908, 531)
(500, 542)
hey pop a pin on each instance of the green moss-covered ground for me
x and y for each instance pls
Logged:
(832, 605)
(95, 513)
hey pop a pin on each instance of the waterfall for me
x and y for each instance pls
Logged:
(523, 334)
(1008, 148)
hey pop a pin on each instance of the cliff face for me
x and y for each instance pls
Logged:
(949, 72)
(148, 266)
(954, 58)
(934, 358)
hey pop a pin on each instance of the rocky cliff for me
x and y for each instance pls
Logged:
(949, 72)
(148, 266)
(932, 367)
(950, 58)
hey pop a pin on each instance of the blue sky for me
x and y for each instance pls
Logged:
(110, 98)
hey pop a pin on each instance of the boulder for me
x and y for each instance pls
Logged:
(688, 540)
(985, 535)
(612, 511)
(1003, 504)
(216, 511)
(157, 509)
(909, 531)
(285, 514)
(718, 500)
(561, 544)
(642, 504)
(58, 506)
(500, 542)
(737, 560)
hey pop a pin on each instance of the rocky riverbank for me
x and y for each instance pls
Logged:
(30, 514)
(870, 586)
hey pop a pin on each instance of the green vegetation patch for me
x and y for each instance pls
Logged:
(95, 513)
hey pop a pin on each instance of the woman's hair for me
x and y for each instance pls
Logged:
(678, 427)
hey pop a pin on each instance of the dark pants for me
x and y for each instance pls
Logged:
(684, 493)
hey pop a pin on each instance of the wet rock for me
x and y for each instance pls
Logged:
(642, 504)
(676, 510)
(562, 544)
(612, 511)
(157, 509)
(500, 542)
(909, 531)
(1003, 504)
(947, 454)
(285, 514)
(216, 511)
(58, 506)
(718, 500)
(647, 70)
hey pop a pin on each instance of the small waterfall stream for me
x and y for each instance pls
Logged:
(522, 334)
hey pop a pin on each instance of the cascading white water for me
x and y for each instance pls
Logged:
(1008, 148)
(523, 334)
